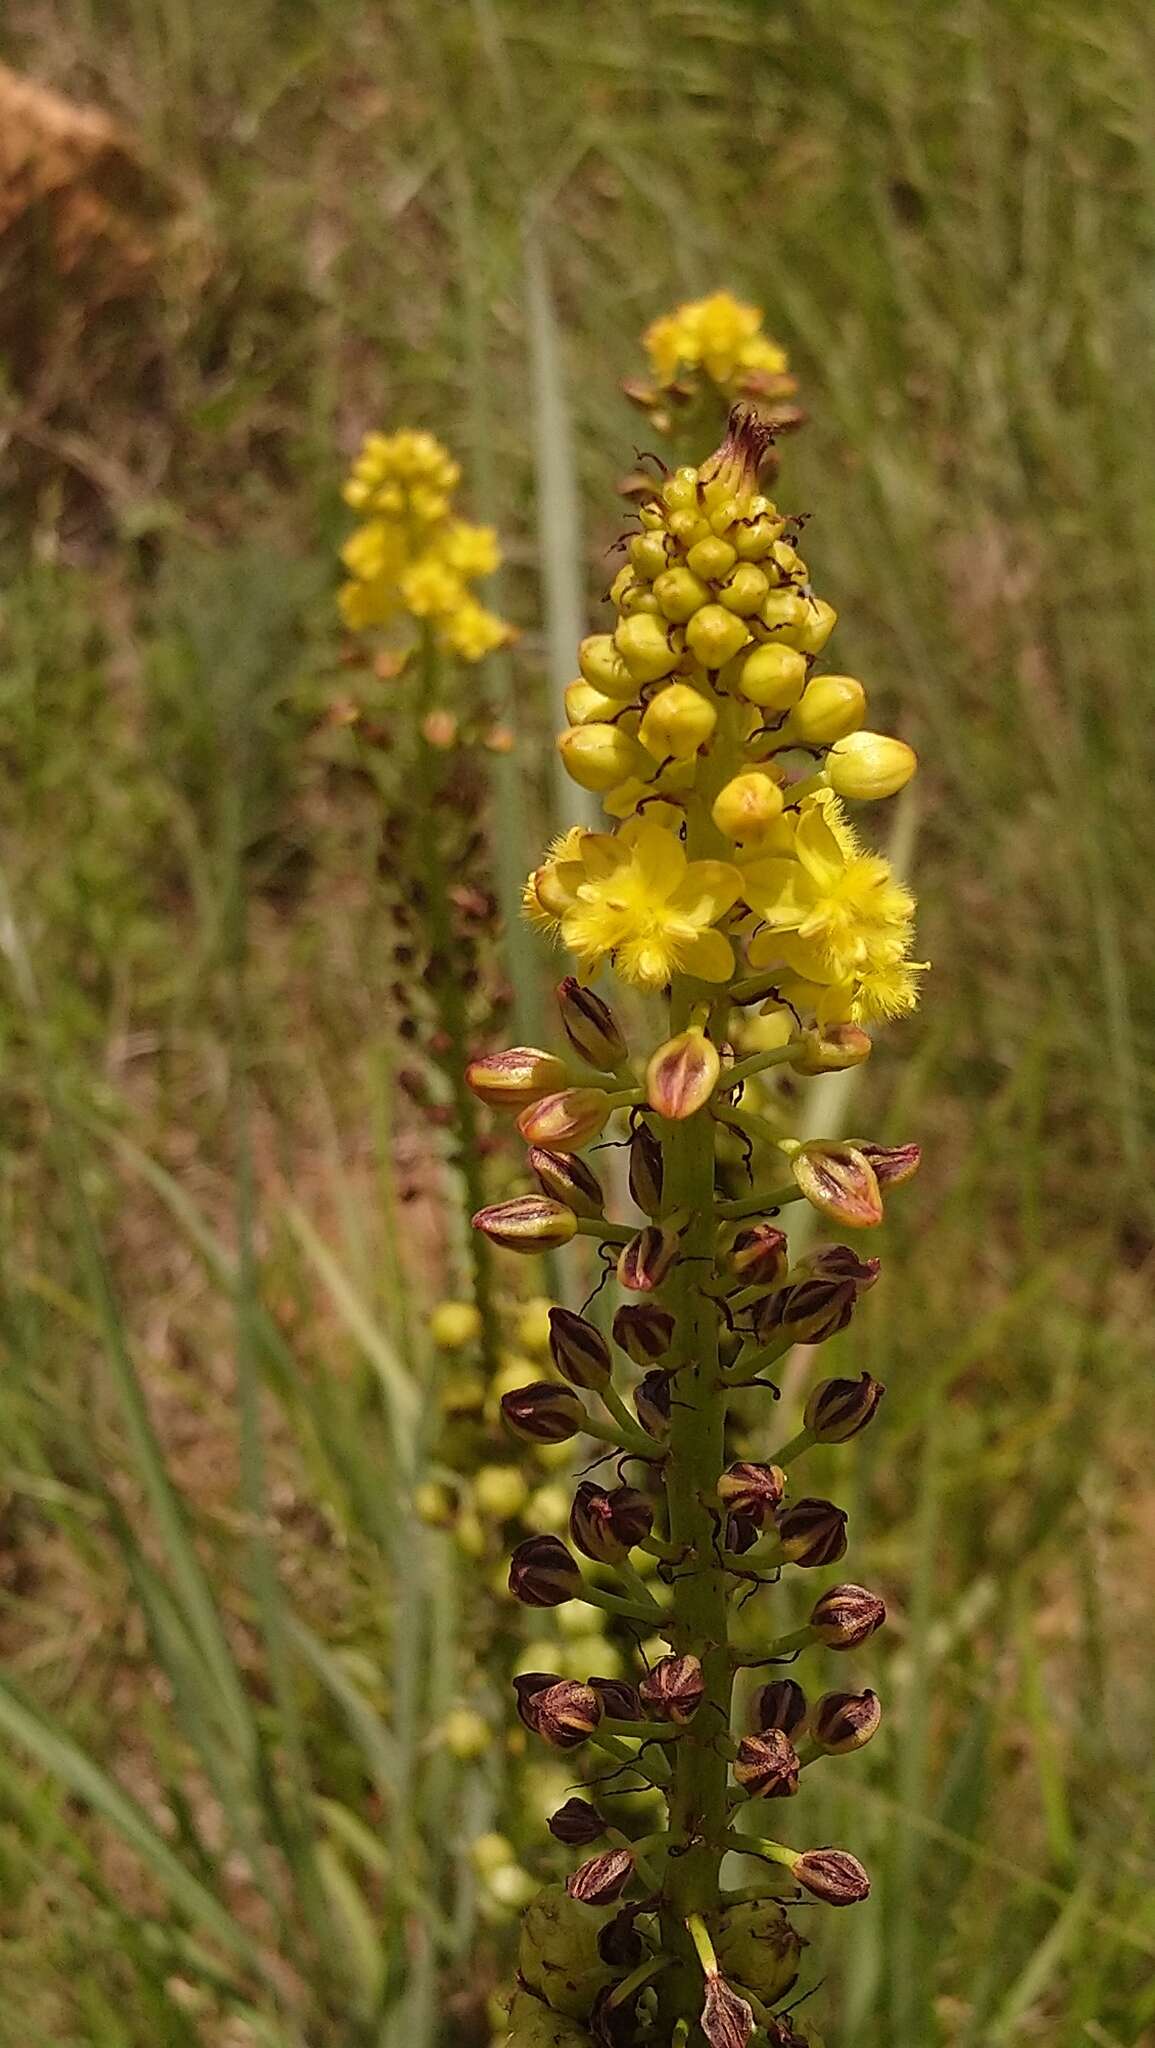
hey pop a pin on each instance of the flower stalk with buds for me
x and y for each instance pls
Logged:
(732, 879)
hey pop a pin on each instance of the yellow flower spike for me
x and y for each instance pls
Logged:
(678, 722)
(645, 647)
(715, 636)
(867, 765)
(773, 677)
(597, 757)
(829, 708)
(720, 335)
(747, 807)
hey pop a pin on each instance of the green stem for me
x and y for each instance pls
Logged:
(758, 1204)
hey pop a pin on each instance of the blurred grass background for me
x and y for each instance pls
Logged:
(224, 1817)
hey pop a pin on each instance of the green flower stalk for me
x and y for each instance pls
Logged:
(731, 882)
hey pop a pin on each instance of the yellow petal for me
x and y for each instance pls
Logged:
(706, 891)
(710, 956)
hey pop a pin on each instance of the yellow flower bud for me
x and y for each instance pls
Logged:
(818, 625)
(747, 806)
(829, 708)
(678, 721)
(465, 1734)
(681, 490)
(680, 594)
(585, 704)
(774, 676)
(516, 1077)
(831, 1051)
(755, 537)
(599, 756)
(622, 585)
(648, 554)
(744, 590)
(454, 1324)
(715, 635)
(644, 646)
(500, 1491)
(602, 665)
(788, 562)
(712, 558)
(786, 613)
(870, 764)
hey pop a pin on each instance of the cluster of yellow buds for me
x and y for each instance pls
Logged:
(717, 348)
(709, 690)
(732, 879)
(411, 557)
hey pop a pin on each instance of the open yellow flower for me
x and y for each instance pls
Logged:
(719, 334)
(844, 906)
(642, 901)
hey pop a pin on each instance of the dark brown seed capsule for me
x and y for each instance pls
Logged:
(589, 1024)
(742, 1533)
(893, 1164)
(673, 1690)
(529, 1686)
(542, 1573)
(566, 1714)
(812, 1533)
(833, 1876)
(543, 1412)
(566, 1178)
(603, 1879)
(647, 1259)
(619, 1943)
(620, 1701)
(605, 1526)
(846, 1616)
(644, 1331)
(726, 2020)
(646, 1170)
(758, 1255)
(653, 1400)
(577, 1824)
(845, 1721)
(839, 1262)
(838, 1409)
(781, 1705)
(767, 1766)
(752, 1490)
(578, 1350)
(805, 1311)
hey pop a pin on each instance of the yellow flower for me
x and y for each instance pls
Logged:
(641, 901)
(473, 632)
(719, 334)
(843, 905)
(552, 887)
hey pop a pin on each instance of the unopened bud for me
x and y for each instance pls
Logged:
(680, 594)
(844, 1721)
(806, 1311)
(758, 1255)
(644, 1331)
(587, 705)
(833, 1876)
(674, 1689)
(620, 1701)
(598, 757)
(751, 1490)
(715, 636)
(893, 1164)
(832, 1050)
(514, 1079)
(866, 765)
(781, 1705)
(845, 1616)
(566, 1714)
(766, 1765)
(647, 1171)
(530, 1223)
(645, 646)
(678, 722)
(838, 1409)
(682, 1075)
(840, 1262)
(566, 1120)
(812, 1533)
(653, 1401)
(828, 709)
(837, 1180)
(542, 1573)
(603, 1879)
(748, 806)
(605, 1526)
(774, 676)
(578, 1350)
(602, 665)
(577, 1824)
(543, 1413)
(566, 1178)
(647, 1259)
(745, 590)
(589, 1024)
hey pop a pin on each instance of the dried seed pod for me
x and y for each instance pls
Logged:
(674, 1689)
(812, 1533)
(515, 1078)
(653, 1400)
(838, 1409)
(603, 1879)
(620, 1700)
(806, 1311)
(647, 1259)
(839, 1262)
(837, 1180)
(566, 1714)
(845, 1616)
(529, 1686)
(893, 1165)
(726, 2020)
(579, 1350)
(529, 1223)
(589, 1024)
(566, 1178)
(543, 1413)
(542, 1573)
(833, 1876)
(766, 1765)
(643, 1330)
(844, 1721)
(781, 1705)
(646, 1169)
(619, 1942)
(577, 1824)
(605, 1525)
(751, 1490)
(741, 1534)
(758, 1255)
